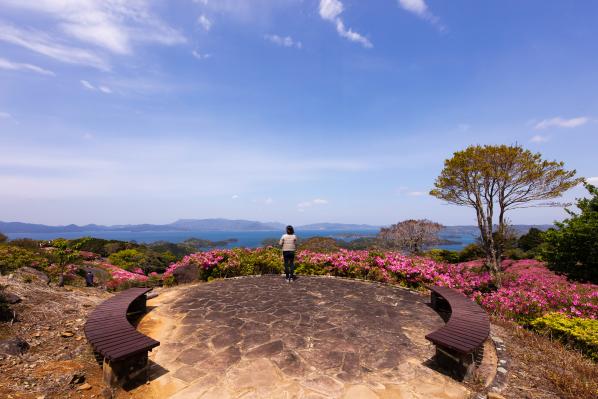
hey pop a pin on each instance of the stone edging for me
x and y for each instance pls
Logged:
(500, 379)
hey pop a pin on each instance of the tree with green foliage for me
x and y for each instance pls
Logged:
(63, 255)
(531, 240)
(494, 179)
(127, 259)
(572, 248)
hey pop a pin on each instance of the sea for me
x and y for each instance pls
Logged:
(247, 239)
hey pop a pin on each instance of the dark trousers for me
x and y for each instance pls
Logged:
(289, 263)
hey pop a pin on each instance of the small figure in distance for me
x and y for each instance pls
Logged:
(89, 279)
(289, 246)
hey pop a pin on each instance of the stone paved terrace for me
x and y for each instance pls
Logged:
(318, 337)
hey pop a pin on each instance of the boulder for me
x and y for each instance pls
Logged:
(37, 274)
(14, 346)
(186, 274)
(11, 298)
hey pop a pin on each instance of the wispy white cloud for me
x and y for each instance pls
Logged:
(561, 122)
(538, 139)
(89, 86)
(15, 66)
(308, 204)
(420, 8)
(41, 43)
(112, 25)
(593, 180)
(330, 10)
(235, 196)
(5, 115)
(200, 56)
(284, 41)
(416, 193)
(204, 22)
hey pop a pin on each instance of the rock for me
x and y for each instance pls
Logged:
(77, 378)
(39, 275)
(15, 346)
(84, 387)
(66, 334)
(11, 298)
(494, 395)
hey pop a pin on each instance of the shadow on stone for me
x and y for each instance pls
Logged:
(154, 371)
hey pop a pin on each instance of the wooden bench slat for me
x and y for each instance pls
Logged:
(468, 326)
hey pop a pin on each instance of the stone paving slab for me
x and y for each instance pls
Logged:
(317, 337)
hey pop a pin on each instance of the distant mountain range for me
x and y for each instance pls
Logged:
(179, 225)
(227, 225)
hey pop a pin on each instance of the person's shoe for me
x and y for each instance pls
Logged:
(288, 280)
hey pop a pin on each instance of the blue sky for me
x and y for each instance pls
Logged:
(296, 111)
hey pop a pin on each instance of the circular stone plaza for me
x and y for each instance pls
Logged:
(317, 337)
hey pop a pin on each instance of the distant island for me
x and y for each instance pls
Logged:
(449, 233)
(179, 225)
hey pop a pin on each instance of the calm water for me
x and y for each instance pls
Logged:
(249, 239)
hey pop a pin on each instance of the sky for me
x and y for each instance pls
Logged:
(297, 111)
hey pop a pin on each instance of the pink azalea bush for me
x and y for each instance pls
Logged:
(528, 288)
(121, 278)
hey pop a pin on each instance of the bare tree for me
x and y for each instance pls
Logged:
(411, 235)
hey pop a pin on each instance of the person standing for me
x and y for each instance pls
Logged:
(289, 246)
(89, 279)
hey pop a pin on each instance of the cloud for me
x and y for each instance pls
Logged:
(15, 66)
(235, 196)
(200, 56)
(284, 41)
(5, 115)
(538, 139)
(89, 86)
(112, 25)
(204, 22)
(420, 8)
(560, 122)
(330, 10)
(308, 204)
(416, 193)
(268, 201)
(593, 180)
(41, 43)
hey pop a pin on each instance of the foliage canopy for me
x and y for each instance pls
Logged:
(494, 179)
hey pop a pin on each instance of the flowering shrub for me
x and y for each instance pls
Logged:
(528, 289)
(122, 279)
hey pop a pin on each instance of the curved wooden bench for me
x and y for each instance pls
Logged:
(461, 339)
(113, 338)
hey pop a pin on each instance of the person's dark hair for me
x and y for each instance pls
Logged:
(290, 230)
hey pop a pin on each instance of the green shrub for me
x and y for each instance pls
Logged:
(472, 251)
(3, 238)
(128, 259)
(12, 258)
(577, 332)
(572, 249)
(444, 255)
